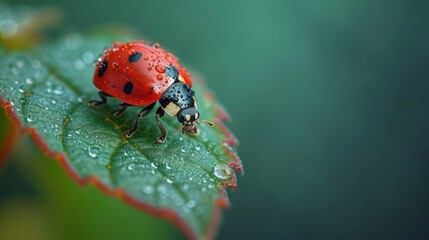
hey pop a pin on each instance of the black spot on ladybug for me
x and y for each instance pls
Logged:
(102, 69)
(128, 88)
(135, 57)
(172, 72)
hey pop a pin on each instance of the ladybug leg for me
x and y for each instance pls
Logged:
(119, 112)
(145, 111)
(103, 95)
(158, 115)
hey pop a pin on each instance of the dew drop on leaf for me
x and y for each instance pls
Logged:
(154, 165)
(190, 204)
(184, 149)
(147, 189)
(79, 65)
(88, 57)
(29, 81)
(35, 64)
(131, 167)
(58, 91)
(223, 171)
(93, 152)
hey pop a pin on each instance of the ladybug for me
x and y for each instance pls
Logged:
(141, 74)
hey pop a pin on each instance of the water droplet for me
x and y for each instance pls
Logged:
(115, 64)
(154, 165)
(160, 68)
(35, 64)
(162, 189)
(88, 57)
(198, 147)
(190, 204)
(149, 68)
(184, 149)
(29, 81)
(53, 102)
(79, 64)
(168, 166)
(108, 166)
(159, 77)
(131, 52)
(223, 171)
(93, 152)
(211, 186)
(22, 100)
(156, 45)
(147, 189)
(168, 57)
(58, 91)
(169, 181)
(77, 132)
(79, 99)
(20, 90)
(131, 167)
(29, 119)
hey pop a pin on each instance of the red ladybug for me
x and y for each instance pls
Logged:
(140, 74)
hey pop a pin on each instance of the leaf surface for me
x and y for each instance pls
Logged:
(46, 91)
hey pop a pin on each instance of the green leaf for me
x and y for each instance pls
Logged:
(46, 92)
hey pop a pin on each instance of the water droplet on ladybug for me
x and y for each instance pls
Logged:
(160, 69)
(115, 64)
(156, 45)
(116, 44)
(168, 57)
(159, 77)
(149, 68)
(145, 58)
(131, 52)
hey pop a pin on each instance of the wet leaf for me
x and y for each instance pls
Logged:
(46, 91)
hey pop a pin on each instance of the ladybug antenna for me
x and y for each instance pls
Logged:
(206, 122)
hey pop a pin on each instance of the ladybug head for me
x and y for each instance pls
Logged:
(188, 117)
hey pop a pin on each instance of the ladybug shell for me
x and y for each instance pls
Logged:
(138, 73)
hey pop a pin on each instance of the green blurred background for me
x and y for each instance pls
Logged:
(328, 99)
